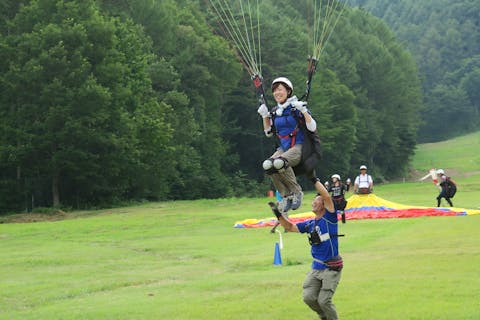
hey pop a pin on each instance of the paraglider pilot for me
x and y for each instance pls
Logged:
(283, 120)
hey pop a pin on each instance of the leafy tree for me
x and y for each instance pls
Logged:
(441, 35)
(144, 100)
(202, 69)
(77, 88)
(383, 77)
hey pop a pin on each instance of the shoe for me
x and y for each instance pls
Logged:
(297, 200)
(285, 204)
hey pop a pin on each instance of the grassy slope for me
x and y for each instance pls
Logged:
(459, 155)
(183, 260)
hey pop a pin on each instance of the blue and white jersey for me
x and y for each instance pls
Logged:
(327, 249)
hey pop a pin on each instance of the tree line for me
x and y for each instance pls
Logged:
(105, 102)
(444, 38)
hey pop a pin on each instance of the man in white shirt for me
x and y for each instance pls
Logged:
(363, 182)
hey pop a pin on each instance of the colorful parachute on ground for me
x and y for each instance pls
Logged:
(367, 206)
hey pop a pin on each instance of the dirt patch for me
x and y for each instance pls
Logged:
(35, 217)
(51, 216)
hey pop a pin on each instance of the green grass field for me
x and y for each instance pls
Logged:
(184, 260)
(460, 155)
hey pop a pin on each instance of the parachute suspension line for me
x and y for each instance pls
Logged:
(227, 27)
(326, 18)
(252, 37)
(316, 26)
(244, 32)
(258, 39)
(239, 28)
(249, 34)
(326, 14)
(257, 77)
(232, 30)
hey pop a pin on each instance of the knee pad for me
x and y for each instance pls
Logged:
(280, 163)
(268, 166)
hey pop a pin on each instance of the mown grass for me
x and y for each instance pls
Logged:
(184, 260)
(460, 154)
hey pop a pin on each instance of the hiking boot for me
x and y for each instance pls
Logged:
(297, 200)
(285, 204)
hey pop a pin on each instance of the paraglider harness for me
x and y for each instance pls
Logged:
(311, 148)
(364, 190)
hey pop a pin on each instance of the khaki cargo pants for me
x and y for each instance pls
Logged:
(285, 181)
(318, 290)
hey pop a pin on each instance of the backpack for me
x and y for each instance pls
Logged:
(311, 152)
(451, 188)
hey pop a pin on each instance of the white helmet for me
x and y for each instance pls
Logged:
(440, 171)
(285, 81)
(336, 176)
(363, 167)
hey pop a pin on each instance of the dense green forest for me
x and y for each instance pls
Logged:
(444, 38)
(104, 102)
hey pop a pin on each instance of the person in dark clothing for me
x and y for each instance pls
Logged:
(337, 189)
(447, 187)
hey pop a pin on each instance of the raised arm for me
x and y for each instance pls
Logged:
(327, 199)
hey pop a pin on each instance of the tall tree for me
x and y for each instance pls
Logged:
(384, 80)
(441, 35)
(76, 87)
(143, 100)
(203, 69)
